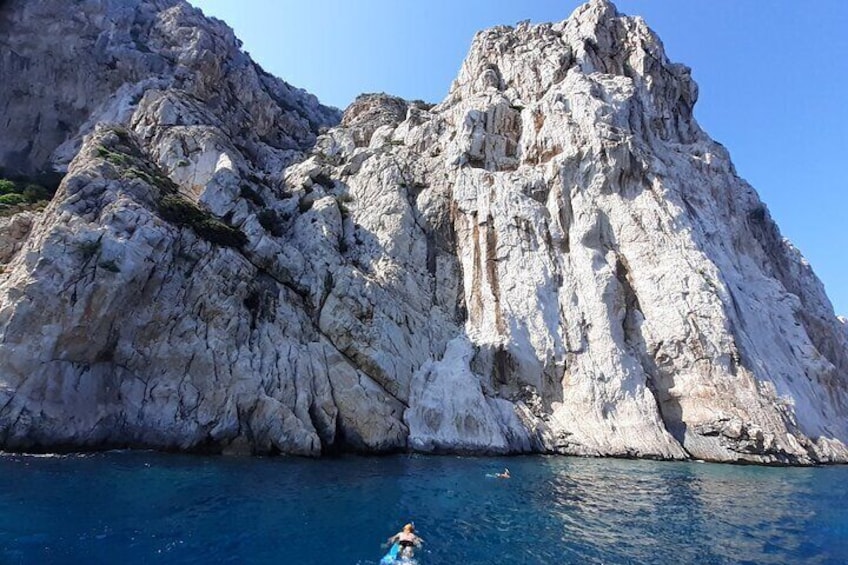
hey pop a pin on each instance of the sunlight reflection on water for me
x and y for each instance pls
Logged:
(134, 507)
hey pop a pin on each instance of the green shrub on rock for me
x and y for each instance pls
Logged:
(180, 212)
(36, 193)
(17, 196)
(12, 199)
(7, 186)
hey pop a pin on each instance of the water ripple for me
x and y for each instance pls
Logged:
(143, 507)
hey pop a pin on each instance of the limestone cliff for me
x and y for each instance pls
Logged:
(67, 67)
(555, 258)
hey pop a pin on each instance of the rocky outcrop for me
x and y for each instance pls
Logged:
(13, 233)
(70, 67)
(556, 258)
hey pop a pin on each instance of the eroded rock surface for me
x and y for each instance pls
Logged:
(556, 258)
(67, 67)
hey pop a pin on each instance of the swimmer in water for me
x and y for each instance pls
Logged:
(407, 540)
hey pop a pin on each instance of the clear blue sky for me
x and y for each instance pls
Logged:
(773, 77)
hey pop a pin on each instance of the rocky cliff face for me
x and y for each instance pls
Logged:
(70, 67)
(554, 259)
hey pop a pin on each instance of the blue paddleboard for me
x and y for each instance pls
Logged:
(391, 556)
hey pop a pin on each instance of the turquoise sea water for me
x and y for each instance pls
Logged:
(153, 508)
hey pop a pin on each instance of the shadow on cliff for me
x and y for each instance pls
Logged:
(658, 381)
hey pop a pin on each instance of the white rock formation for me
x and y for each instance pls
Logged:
(68, 67)
(554, 259)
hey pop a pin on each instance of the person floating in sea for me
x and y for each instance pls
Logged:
(407, 540)
(504, 475)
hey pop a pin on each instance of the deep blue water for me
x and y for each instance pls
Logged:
(152, 508)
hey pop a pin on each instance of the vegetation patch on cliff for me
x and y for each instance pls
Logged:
(180, 212)
(125, 155)
(20, 195)
(133, 165)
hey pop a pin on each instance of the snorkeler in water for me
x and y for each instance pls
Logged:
(504, 475)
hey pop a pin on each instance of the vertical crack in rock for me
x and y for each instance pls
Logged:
(492, 277)
(657, 381)
(475, 312)
(633, 312)
(461, 308)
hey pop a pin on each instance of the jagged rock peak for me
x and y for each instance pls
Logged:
(110, 53)
(525, 61)
(370, 111)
